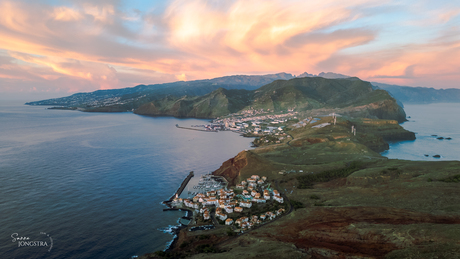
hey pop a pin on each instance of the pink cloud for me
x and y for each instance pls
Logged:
(90, 45)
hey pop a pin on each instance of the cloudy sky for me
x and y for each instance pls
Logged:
(54, 48)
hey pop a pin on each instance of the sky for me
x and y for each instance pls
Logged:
(51, 48)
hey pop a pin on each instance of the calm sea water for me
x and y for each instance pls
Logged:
(93, 182)
(441, 119)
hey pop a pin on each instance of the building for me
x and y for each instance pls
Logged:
(267, 194)
(228, 209)
(245, 204)
(228, 221)
(238, 222)
(221, 215)
(278, 198)
(238, 209)
(279, 212)
(259, 200)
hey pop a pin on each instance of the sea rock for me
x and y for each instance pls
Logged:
(437, 156)
(427, 155)
(449, 138)
(440, 138)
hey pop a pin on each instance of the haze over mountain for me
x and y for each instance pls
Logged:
(421, 95)
(405, 94)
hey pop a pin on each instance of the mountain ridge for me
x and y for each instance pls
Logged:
(348, 96)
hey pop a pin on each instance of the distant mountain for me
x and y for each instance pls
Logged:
(119, 100)
(421, 95)
(406, 94)
(328, 75)
(350, 96)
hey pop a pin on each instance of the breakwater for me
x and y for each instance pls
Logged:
(177, 126)
(181, 188)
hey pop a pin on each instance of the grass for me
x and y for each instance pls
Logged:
(452, 179)
(297, 204)
(307, 181)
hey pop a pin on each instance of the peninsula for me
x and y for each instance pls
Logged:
(318, 143)
(342, 199)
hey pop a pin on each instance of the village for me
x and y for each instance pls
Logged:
(250, 203)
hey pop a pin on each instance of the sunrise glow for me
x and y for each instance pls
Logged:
(89, 45)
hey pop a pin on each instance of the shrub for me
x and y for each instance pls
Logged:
(230, 232)
(297, 204)
(452, 179)
(202, 237)
(206, 248)
(314, 197)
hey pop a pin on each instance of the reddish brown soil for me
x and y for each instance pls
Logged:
(329, 228)
(231, 168)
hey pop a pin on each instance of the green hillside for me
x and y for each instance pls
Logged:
(350, 96)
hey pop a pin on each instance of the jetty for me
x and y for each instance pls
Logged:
(181, 187)
(205, 130)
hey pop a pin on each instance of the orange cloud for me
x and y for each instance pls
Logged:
(91, 46)
(254, 35)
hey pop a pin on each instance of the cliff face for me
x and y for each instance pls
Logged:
(231, 168)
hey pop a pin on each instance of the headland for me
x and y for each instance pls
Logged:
(341, 198)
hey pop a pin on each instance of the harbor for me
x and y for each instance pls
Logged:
(181, 188)
(206, 183)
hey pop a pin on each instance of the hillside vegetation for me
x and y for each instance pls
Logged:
(350, 96)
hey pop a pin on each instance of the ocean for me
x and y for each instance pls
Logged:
(91, 184)
(429, 122)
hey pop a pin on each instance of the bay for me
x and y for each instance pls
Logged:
(94, 182)
(426, 120)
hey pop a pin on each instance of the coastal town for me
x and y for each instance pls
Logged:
(250, 203)
(265, 125)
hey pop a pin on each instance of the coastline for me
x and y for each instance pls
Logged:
(177, 229)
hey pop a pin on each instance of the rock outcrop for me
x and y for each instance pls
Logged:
(231, 168)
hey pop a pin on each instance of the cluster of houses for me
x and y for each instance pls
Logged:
(245, 223)
(240, 122)
(227, 202)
